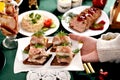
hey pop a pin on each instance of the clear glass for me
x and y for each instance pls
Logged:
(10, 42)
(9, 25)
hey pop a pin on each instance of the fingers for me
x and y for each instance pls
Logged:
(92, 57)
(77, 37)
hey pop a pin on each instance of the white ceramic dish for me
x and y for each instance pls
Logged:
(75, 65)
(88, 32)
(47, 14)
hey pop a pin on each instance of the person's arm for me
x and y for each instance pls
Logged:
(108, 47)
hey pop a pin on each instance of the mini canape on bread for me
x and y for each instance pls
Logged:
(37, 54)
(62, 48)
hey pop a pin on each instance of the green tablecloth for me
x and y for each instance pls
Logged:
(7, 72)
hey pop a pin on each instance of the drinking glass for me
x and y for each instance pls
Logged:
(9, 25)
(99, 3)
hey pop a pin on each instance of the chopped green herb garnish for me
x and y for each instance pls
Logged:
(39, 33)
(34, 21)
(31, 15)
(62, 33)
(25, 51)
(39, 46)
(34, 17)
(71, 14)
(62, 56)
(37, 16)
(60, 17)
(76, 51)
(65, 44)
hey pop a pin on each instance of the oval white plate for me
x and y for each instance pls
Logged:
(47, 14)
(88, 32)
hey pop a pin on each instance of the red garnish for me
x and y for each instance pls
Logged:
(102, 75)
(48, 23)
(101, 22)
(98, 26)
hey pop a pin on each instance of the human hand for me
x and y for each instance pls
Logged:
(89, 48)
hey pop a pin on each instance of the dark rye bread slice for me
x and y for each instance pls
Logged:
(85, 19)
(36, 63)
(55, 62)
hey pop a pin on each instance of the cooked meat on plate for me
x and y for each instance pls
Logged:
(85, 19)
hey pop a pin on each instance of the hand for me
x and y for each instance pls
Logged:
(89, 48)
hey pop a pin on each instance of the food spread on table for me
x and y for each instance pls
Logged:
(39, 50)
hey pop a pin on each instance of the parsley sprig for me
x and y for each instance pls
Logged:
(34, 17)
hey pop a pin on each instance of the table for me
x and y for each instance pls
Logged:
(7, 72)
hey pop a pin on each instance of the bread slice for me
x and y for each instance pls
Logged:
(26, 61)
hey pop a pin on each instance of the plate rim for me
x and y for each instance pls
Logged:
(84, 33)
(57, 22)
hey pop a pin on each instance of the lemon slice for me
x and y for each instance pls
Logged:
(2, 6)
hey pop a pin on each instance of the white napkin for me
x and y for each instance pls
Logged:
(48, 75)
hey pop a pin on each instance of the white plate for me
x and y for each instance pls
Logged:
(75, 65)
(47, 14)
(89, 32)
(48, 75)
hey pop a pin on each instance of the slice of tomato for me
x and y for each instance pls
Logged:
(98, 26)
(48, 23)
(102, 22)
